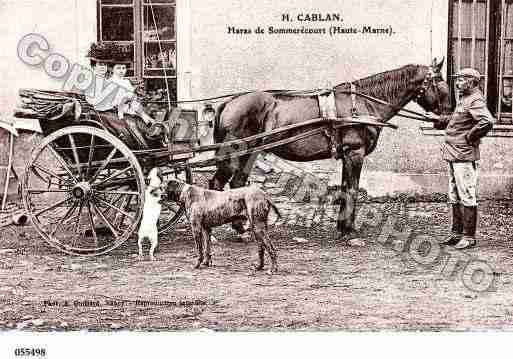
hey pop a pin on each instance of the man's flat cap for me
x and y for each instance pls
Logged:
(468, 72)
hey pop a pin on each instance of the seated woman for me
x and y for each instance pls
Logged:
(114, 100)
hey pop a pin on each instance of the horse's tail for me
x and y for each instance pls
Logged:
(219, 133)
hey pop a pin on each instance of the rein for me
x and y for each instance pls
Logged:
(414, 115)
(206, 99)
(298, 93)
(418, 116)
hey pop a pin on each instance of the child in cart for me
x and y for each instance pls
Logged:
(126, 99)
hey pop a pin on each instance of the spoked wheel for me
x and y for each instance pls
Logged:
(83, 190)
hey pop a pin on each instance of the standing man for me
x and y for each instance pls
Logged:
(464, 128)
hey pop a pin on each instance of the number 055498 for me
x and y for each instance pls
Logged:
(30, 352)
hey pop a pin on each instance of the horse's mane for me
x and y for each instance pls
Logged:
(385, 85)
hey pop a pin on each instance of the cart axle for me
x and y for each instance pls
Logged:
(81, 190)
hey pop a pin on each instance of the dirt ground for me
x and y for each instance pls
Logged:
(322, 284)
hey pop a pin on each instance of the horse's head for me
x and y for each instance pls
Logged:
(433, 94)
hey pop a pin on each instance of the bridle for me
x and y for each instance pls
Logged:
(432, 79)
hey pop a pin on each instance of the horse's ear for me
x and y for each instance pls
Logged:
(437, 65)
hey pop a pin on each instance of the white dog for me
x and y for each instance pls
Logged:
(151, 212)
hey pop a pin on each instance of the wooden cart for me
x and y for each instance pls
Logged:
(83, 188)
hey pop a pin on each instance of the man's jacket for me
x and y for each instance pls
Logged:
(465, 127)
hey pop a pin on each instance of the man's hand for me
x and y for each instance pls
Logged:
(439, 122)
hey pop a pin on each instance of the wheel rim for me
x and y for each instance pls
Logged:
(82, 191)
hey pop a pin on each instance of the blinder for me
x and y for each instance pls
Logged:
(432, 78)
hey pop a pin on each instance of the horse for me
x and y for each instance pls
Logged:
(381, 95)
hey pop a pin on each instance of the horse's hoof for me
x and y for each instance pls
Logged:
(272, 271)
(347, 234)
(345, 231)
(356, 242)
(197, 265)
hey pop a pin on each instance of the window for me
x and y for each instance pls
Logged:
(481, 36)
(146, 29)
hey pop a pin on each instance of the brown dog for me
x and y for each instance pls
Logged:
(208, 208)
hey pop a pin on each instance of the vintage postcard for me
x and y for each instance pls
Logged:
(224, 166)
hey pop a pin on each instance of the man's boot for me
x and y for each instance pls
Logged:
(456, 227)
(469, 228)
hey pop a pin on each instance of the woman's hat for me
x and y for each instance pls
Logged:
(109, 52)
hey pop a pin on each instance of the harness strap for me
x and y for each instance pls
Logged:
(327, 107)
(354, 111)
(231, 155)
(419, 116)
(328, 111)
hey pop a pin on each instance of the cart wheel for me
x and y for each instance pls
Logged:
(82, 190)
(172, 213)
